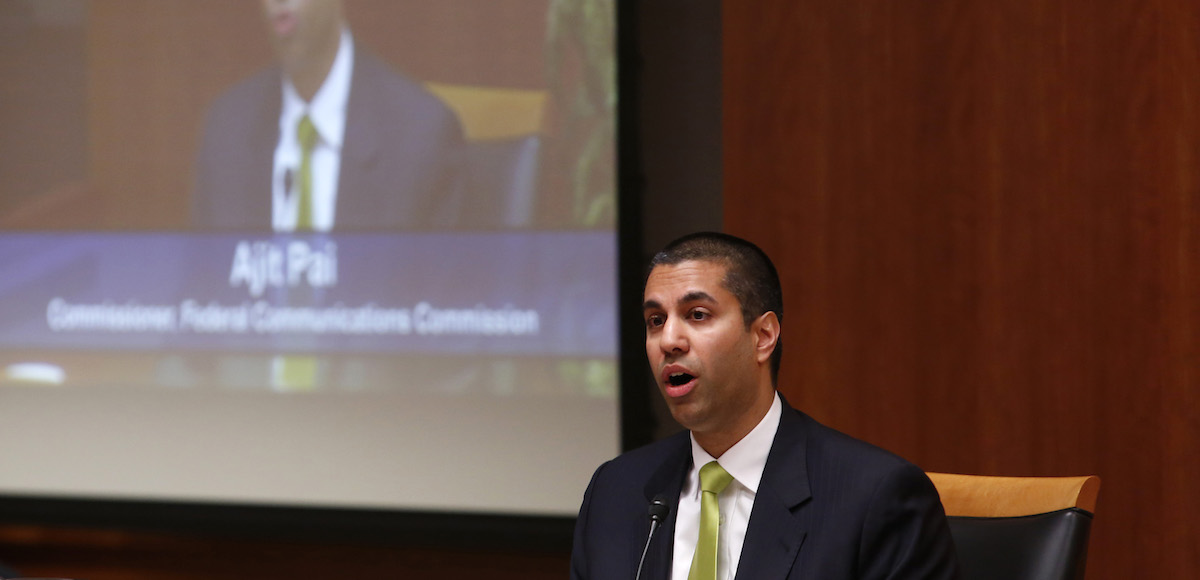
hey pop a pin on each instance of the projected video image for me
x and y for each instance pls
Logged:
(303, 208)
(408, 202)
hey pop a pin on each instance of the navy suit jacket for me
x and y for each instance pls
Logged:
(828, 507)
(400, 155)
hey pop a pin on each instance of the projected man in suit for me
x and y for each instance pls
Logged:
(800, 500)
(382, 152)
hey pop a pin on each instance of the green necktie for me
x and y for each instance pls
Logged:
(299, 373)
(713, 480)
(306, 134)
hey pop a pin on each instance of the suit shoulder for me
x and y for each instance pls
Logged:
(391, 103)
(381, 79)
(648, 458)
(246, 97)
(854, 461)
(825, 439)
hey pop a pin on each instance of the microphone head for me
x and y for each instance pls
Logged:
(659, 508)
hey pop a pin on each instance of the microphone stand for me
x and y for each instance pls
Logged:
(658, 512)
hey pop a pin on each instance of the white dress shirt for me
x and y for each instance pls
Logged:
(745, 462)
(328, 113)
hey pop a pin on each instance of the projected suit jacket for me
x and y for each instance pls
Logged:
(400, 155)
(829, 506)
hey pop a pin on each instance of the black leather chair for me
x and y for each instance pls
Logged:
(501, 160)
(501, 183)
(1027, 528)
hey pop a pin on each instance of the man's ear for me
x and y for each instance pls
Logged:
(766, 335)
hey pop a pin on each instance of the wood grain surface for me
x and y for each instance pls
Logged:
(985, 214)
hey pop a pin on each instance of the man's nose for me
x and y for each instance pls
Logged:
(674, 336)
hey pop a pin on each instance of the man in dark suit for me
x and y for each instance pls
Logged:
(795, 499)
(386, 154)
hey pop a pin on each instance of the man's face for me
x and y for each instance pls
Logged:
(703, 356)
(300, 29)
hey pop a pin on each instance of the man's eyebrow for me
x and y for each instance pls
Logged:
(697, 296)
(694, 296)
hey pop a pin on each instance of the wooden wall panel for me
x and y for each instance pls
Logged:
(985, 216)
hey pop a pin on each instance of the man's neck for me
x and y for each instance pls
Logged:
(308, 75)
(716, 443)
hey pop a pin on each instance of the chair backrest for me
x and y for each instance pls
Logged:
(1029, 528)
(490, 113)
(501, 159)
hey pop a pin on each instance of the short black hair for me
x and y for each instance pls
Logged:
(749, 276)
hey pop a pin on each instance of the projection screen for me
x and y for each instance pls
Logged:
(417, 312)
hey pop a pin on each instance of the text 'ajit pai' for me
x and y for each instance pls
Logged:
(260, 265)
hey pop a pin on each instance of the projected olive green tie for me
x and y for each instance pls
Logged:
(306, 134)
(713, 480)
(299, 373)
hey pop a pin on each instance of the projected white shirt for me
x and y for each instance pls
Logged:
(745, 462)
(328, 113)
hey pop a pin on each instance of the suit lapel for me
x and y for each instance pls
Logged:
(360, 147)
(774, 535)
(259, 170)
(666, 482)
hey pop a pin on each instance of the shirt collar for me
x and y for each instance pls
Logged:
(747, 458)
(328, 107)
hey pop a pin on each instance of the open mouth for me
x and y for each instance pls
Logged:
(679, 379)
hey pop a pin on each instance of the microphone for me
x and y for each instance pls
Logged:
(659, 508)
(287, 183)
